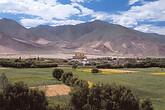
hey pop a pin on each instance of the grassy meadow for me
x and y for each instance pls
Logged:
(145, 82)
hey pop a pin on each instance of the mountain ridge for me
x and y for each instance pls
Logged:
(90, 37)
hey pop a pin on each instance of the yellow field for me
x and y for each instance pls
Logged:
(108, 71)
(64, 67)
(86, 70)
(158, 73)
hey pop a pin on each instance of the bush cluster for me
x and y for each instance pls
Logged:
(20, 97)
(95, 70)
(68, 78)
(107, 97)
(57, 73)
(108, 66)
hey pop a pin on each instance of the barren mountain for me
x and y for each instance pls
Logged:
(5, 50)
(95, 37)
(12, 28)
(16, 44)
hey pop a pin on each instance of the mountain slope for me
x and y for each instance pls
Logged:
(116, 39)
(16, 44)
(12, 28)
(95, 37)
(67, 32)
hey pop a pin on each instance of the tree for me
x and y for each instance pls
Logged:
(81, 83)
(95, 70)
(107, 97)
(57, 73)
(4, 82)
(145, 104)
(78, 97)
(74, 66)
(65, 76)
(20, 97)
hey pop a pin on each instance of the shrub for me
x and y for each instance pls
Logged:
(45, 65)
(65, 76)
(74, 66)
(145, 104)
(107, 97)
(81, 83)
(20, 97)
(95, 70)
(57, 73)
(73, 80)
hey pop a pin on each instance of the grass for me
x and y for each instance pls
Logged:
(143, 83)
(31, 76)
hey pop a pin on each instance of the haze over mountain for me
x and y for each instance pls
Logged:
(95, 37)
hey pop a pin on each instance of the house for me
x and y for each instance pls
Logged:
(80, 57)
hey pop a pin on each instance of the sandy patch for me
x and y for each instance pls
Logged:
(54, 90)
(1, 68)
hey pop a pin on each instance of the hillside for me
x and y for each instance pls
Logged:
(95, 37)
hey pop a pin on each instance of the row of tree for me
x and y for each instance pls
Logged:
(144, 64)
(68, 78)
(18, 63)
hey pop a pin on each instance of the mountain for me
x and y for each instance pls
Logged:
(6, 50)
(96, 37)
(16, 44)
(12, 28)
(66, 32)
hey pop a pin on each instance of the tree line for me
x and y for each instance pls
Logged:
(145, 63)
(22, 63)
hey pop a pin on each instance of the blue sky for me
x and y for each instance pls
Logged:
(142, 15)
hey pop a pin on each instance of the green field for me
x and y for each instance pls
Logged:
(142, 83)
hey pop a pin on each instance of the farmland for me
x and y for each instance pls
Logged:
(145, 82)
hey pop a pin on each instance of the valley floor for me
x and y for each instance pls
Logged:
(145, 82)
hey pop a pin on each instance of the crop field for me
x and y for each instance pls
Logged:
(145, 82)
(31, 76)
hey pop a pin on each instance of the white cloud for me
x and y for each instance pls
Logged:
(131, 2)
(33, 22)
(46, 9)
(66, 22)
(151, 12)
(77, 0)
(151, 29)
(101, 15)
(38, 21)
(84, 11)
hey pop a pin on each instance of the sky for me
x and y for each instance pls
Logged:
(143, 15)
